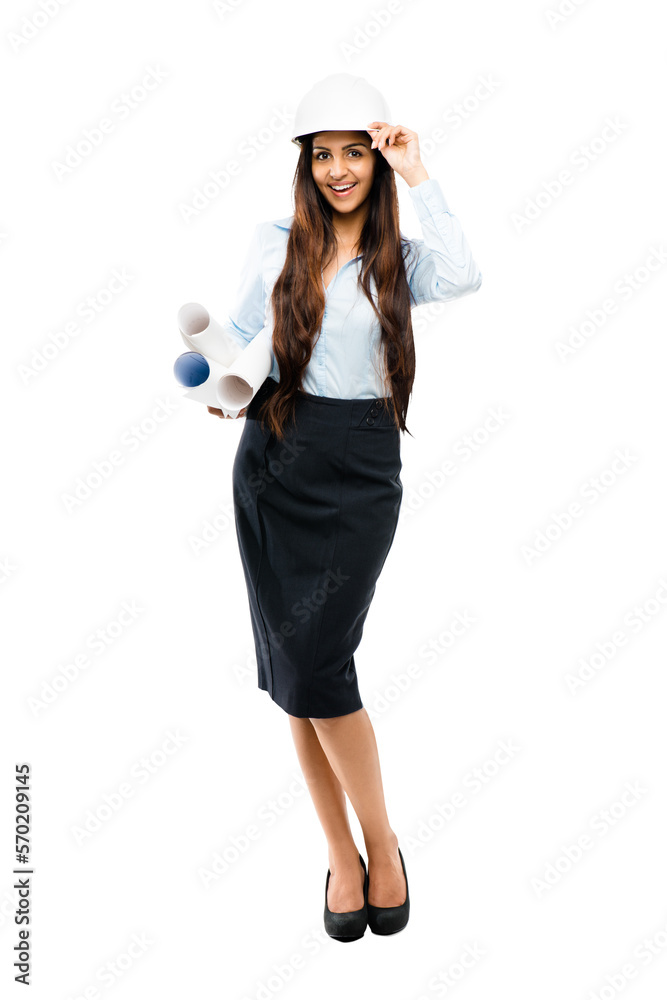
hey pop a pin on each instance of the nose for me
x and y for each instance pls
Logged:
(336, 170)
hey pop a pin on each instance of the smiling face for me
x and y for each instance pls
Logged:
(343, 160)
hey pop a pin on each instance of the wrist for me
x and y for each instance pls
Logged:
(415, 175)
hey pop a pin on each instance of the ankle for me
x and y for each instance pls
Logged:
(342, 856)
(381, 850)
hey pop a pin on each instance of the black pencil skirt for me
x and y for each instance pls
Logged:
(315, 519)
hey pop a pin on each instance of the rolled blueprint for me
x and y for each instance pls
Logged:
(203, 334)
(238, 386)
(236, 373)
(207, 391)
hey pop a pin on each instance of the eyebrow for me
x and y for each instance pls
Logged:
(349, 145)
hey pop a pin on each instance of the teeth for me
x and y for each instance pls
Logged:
(343, 187)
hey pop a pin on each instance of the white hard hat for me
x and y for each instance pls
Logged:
(341, 102)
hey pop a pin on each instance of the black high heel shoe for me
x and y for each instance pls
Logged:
(389, 919)
(349, 925)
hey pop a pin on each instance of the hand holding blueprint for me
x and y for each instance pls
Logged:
(216, 370)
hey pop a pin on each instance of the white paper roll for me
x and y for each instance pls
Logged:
(237, 386)
(203, 334)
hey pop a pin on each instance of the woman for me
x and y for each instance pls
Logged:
(316, 478)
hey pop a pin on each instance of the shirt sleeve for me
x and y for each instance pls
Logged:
(250, 314)
(441, 265)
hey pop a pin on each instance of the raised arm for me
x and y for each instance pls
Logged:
(440, 266)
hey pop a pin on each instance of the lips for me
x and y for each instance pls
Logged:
(345, 190)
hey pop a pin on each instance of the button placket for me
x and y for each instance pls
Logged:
(320, 356)
(373, 411)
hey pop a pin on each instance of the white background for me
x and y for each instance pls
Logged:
(185, 664)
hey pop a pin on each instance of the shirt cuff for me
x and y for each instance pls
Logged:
(428, 198)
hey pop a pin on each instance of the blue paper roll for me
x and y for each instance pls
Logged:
(191, 369)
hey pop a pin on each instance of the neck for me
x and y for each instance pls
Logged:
(348, 225)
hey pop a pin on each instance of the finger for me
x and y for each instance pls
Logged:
(388, 135)
(376, 129)
(380, 136)
(398, 132)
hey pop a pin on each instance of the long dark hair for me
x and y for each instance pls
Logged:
(298, 297)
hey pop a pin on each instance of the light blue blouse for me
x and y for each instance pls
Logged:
(346, 362)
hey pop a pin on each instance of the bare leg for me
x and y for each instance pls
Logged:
(346, 884)
(350, 747)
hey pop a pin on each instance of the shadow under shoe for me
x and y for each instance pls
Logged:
(389, 919)
(349, 925)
